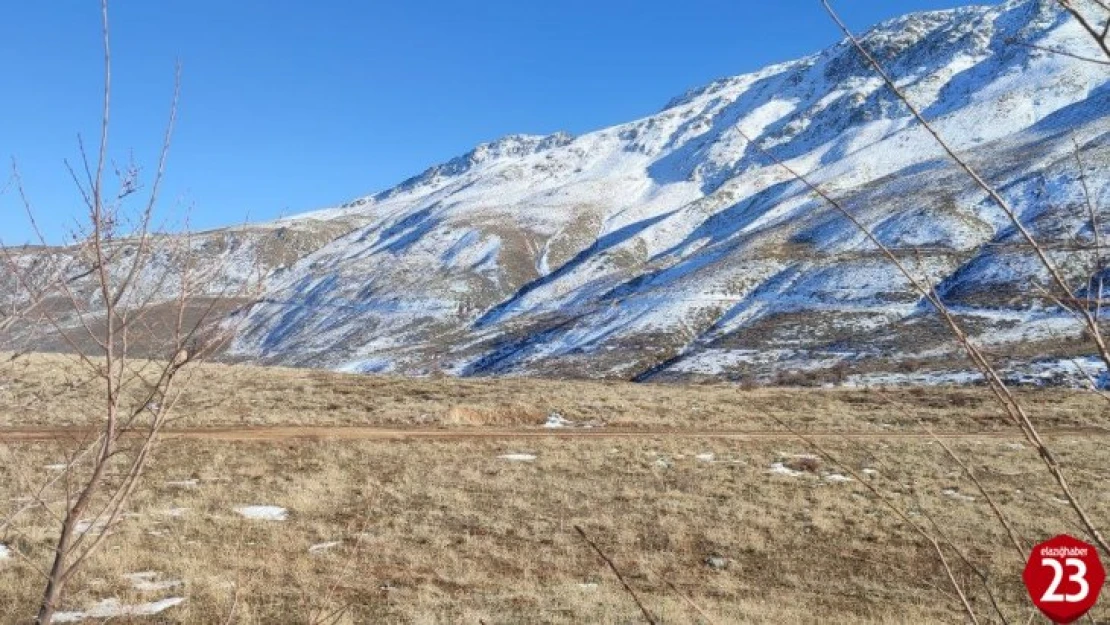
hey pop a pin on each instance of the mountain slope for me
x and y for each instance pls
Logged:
(670, 247)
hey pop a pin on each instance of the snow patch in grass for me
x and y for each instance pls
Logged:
(263, 513)
(955, 494)
(96, 526)
(318, 547)
(795, 465)
(5, 553)
(191, 483)
(836, 477)
(112, 608)
(779, 468)
(518, 457)
(56, 467)
(147, 581)
(556, 420)
(706, 457)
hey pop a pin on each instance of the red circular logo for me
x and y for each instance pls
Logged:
(1064, 578)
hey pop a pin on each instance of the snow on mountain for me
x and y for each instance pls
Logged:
(671, 247)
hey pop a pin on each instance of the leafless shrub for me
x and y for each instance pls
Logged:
(804, 464)
(124, 289)
(797, 379)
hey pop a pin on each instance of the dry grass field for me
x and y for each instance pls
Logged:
(410, 529)
(55, 390)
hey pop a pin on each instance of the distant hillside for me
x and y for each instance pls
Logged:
(669, 248)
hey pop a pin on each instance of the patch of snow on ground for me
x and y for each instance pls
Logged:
(84, 526)
(955, 494)
(714, 361)
(263, 513)
(112, 608)
(779, 468)
(318, 547)
(1076, 372)
(5, 553)
(517, 457)
(192, 483)
(799, 456)
(556, 420)
(922, 378)
(836, 477)
(369, 365)
(147, 581)
(706, 457)
(56, 467)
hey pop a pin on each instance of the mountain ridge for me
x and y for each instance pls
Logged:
(668, 247)
(595, 254)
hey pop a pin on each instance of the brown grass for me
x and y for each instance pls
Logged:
(451, 533)
(50, 390)
(518, 413)
(447, 532)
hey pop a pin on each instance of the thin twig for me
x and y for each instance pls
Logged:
(901, 514)
(613, 567)
(1015, 539)
(690, 602)
(1005, 397)
(1057, 51)
(1098, 37)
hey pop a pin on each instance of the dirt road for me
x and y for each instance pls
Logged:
(299, 432)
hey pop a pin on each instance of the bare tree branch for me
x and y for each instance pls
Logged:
(890, 505)
(613, 567)
(1073, 55)
(1014, 408)
(1098, 36)
(690, 602)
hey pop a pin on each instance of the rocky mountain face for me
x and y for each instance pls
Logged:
(672, 248)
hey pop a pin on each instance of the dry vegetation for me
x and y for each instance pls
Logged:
(446, 531)
(418, 530)
(53, 390)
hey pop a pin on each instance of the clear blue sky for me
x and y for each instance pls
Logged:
(291, 106)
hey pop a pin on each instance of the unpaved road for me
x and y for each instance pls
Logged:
(349, 433)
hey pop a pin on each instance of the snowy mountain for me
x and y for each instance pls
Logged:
(669, 247)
